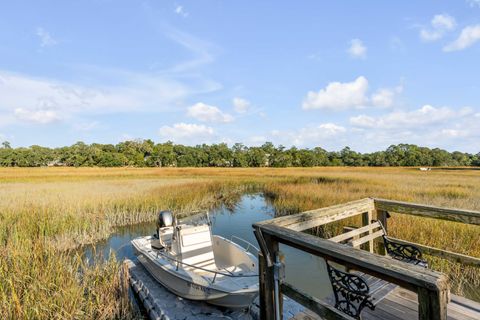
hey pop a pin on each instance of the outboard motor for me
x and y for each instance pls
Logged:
(165, 219)
(164, 234)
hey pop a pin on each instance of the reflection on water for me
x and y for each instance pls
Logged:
(307, 272)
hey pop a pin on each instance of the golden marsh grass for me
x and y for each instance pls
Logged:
(44, 212)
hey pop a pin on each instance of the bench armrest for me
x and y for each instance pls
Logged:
(404, 252)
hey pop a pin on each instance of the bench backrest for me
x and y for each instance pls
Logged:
(361, 235)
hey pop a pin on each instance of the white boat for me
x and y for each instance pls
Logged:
(194, 264)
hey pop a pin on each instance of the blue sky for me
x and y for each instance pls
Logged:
(307, 73)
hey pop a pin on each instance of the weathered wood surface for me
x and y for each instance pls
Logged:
(313, 218)
(402, 304)
(381, 267)
(464, 216)
(366, 220)
(432, 304)
(445, 254)
(321, 308)
(382, 216)
(378, 289)
(432, 286)
(267, 310)
(367, 239)
(348, 229)
(355, 232)
(262, 265)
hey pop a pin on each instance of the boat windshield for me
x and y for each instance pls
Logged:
(194, 218)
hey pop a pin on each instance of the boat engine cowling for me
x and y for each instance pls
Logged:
(165, 219)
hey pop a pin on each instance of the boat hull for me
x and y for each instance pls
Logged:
(191, 286)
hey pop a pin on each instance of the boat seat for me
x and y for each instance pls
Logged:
(196, 249)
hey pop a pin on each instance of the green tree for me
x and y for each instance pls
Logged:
(239, 155)
(256, 157)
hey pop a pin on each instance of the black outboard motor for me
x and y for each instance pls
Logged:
(165, 219)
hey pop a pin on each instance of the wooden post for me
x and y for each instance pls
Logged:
(267, 283)
(262, 265)
(382, 217)
(432, 304)
(347, 229)
(366, 219)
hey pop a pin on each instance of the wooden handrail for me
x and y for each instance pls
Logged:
(457, 215)
(391, 270)
(313, 218)
(432, 287)
(444, 254)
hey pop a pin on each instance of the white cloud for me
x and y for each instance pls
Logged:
(207, 113)
(341, 96)
(180, 10)
(385, 97)
(363, 121)
(425, 116)
(338, 95)
(187, 133)
(443, 21)
(444, 127)
(46, 40)
(202, 51)
(41, 116)
(133, 92)
(440, 24)
(474, 3)
(257, 140)
(357, 49)
(467, 38)
(454, 133)
(325, 133)
(331, 128)
(241, 105)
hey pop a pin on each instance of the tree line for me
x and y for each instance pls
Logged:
(146, 153)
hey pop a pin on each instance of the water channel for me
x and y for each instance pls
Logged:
(307, 272)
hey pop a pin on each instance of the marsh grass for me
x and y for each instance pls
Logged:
(440, 188)
(46, 212)
(39, 282)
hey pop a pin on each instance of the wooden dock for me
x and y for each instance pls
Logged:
(403, 290)
(401, 304)
(420, 293)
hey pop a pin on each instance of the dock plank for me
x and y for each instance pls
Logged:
(402, 304)
(399, 304)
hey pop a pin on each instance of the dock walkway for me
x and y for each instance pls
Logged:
(160, 304)
(401, 304)
(365, 249)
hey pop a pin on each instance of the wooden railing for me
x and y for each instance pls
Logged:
(432, 287)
